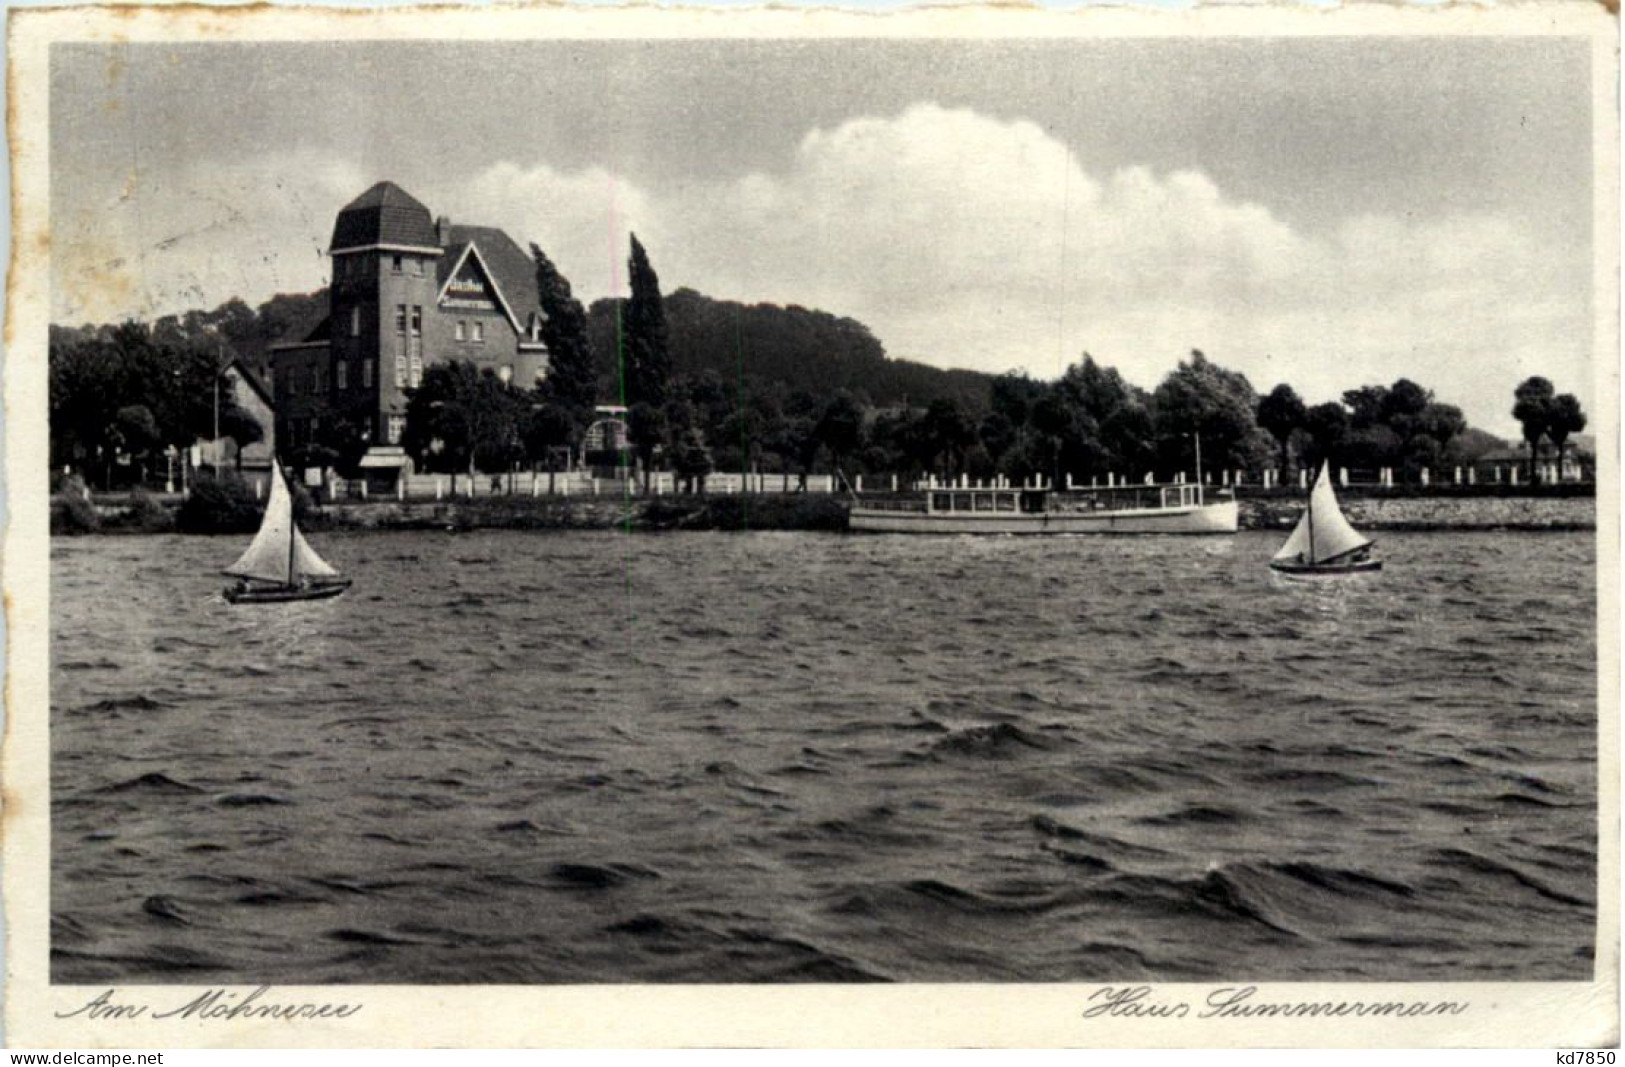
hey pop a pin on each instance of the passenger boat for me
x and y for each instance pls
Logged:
(1179, 508)
(1323, 544)
(280, 566)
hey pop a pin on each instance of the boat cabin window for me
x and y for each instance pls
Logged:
(1005, 501)
(983, 501)
(941, 502)
(1032, 503)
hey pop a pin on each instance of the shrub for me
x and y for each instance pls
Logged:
(146, 514)
(219, 505)
(73, 514)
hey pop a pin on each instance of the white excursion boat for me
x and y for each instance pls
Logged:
(1180, 508)
(280, 565)
(1323, 544)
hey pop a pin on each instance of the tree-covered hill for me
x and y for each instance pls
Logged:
(786, 350)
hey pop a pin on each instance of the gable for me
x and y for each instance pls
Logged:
(469, 288)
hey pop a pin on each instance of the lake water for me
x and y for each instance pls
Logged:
(519, 757)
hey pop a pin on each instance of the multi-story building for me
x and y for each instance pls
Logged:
(407, 291)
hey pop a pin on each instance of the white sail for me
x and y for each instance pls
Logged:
(279, 552)
(306, 563)
(268, 558)
(1322, 533)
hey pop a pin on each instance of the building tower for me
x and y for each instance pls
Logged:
(385, 251)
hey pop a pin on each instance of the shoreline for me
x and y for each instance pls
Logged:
(823, 512)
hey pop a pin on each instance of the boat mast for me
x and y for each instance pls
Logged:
(284, 478)
(1311, 514)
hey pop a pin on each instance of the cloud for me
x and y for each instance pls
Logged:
(971, 241)
(968, 240)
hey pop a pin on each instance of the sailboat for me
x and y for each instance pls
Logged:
(280, 565)
(1324, 544)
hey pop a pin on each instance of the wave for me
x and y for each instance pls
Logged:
(139, 702)
(1199, 815)
(998, 741)
(599, 876)
(153, 783)
(1462, 861)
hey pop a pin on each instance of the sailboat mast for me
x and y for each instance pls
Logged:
(1311, 513)
(284, 478)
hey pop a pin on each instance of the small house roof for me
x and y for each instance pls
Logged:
(252, 380)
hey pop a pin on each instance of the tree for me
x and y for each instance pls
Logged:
(1280, 413)
(136, 432)
(645, 339)
(1201, 397)
(1532, 407)
(646, 426)
(692, 459)
(840, 427)
(1054, 424)
(949, 432)
(1327, 426)
(1564, 419)
(1365, 405)
(1402, 406)
(572, 378)
(463, 418)
(548, 429)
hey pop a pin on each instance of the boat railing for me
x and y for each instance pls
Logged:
(966, 500)
(890, 503)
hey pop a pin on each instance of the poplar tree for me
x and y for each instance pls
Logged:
(645, 347)
(645, 359)
(572, 379)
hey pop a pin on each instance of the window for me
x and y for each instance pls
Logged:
(293, 381)
(400, 370)
(395, 264)
(479, 333)
(417, 266)
(355, 322)
(535, 326)
(366, 373)
(400, 318)
(318, 380)
(342, 380)
(462, 330)
(397, 426)
(417, 320)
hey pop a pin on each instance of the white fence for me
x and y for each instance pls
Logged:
(560, 483)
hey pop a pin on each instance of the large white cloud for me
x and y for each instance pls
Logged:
(967, 240)
(970, 241)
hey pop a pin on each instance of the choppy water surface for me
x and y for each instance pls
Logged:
(785, 757)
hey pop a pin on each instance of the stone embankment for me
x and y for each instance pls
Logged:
(1436, 513)
(815, 511)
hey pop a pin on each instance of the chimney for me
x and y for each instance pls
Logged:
(442, 230)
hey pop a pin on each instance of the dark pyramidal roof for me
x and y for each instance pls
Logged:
(384, 214)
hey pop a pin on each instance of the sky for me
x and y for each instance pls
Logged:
(1325, 212)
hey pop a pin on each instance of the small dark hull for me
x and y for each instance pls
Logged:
(1324, 570)
(284, 594)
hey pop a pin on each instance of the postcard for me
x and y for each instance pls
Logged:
(963, 526)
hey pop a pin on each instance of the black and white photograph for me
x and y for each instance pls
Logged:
(1112, 512)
